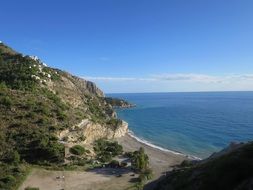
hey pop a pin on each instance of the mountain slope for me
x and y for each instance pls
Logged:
(37, 104)
(228, 171)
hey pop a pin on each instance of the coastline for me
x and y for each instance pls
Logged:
(131, 134)
(161, 160)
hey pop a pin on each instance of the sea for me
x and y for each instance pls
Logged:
(196, 124)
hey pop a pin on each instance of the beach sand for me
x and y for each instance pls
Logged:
(160, 161)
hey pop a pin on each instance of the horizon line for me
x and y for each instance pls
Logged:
(178, 92)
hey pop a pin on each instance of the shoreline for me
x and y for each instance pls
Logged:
(160, 161)
(145, 142)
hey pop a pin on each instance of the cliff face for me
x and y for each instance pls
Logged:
(78, 92)
(74, 90)
(87, 132)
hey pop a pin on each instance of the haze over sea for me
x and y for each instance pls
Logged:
(194, 123)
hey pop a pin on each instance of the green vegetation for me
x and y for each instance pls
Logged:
(37, 102)
(32, 188)
(77, 150)
(114, 123)
(11, 176)
(106, 150)
(6, 101)
(116, 102)
(140, 163)
(140, 160)
(15, 72)
(230, 171)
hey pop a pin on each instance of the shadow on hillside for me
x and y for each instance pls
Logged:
(112, 171)
(151, 185)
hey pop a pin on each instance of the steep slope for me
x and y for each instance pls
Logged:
(232, 169)
(38, 103)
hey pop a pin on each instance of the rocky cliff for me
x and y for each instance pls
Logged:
(87, 132)
(40, 105)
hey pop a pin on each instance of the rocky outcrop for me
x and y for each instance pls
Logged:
(72, 89)
(118, 103)
(87, 87)
(87, 132)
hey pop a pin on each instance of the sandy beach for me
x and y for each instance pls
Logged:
(160, 161)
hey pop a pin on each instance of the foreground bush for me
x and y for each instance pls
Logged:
(32, 188)
(12, 175)
(77, 150)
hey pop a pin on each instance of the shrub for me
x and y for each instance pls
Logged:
(13, 157)
(65, 139)
(147, 174)
(61, 115)
(32, 188)
(140, 160)
(43, 109)
(104, 157)
(9, 179)
(114, 164)
(106, 150)
(77, 150)
(6, 101)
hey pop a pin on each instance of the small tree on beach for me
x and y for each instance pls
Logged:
(140, 160)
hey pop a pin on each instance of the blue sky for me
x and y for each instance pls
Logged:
(138, 45)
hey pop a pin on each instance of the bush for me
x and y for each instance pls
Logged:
(106, 150)
(13, 157)
(114, 164)
(6, 101)
(114, 122)
(61, 115)
(32, 188)
(9, 179)
(140, 160)
(104, 157)
(77, 150)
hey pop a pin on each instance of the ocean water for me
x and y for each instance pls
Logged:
(195, 124)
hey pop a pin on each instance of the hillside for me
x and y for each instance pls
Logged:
(228, 170)
(43, 108)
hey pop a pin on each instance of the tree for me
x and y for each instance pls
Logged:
(140, 160)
